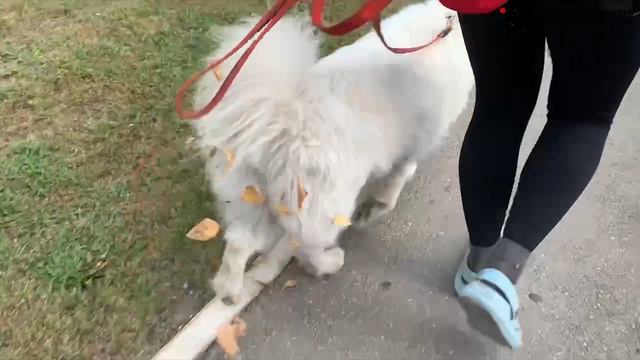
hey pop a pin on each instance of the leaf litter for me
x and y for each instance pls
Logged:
(205, 230)
(228, 335)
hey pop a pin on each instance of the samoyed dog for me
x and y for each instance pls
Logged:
(319, 143)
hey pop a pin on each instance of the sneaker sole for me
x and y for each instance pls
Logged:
(482, 321)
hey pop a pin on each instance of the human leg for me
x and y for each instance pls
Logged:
(507, 57)
(595, 57)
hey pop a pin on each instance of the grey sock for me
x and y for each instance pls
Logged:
(478, 256)
(508, 257)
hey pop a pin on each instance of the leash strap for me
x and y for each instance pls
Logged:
(261, 28)
(396, 50)
(368, 13)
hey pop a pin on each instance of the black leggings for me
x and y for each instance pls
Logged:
(595, 57)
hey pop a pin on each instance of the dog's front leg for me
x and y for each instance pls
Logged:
(241, 245)
(270, 264)
(382, 196)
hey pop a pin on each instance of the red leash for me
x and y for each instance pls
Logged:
(369, 13)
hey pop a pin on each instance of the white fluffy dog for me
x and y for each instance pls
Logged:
(324, 140)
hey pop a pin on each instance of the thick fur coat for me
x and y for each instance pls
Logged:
(348, 129)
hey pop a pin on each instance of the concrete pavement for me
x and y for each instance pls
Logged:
(394, 298)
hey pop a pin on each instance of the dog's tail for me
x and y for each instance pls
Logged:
(271, 78)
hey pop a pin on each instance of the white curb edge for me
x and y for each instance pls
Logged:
(198, 334)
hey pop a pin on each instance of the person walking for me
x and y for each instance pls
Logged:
(595, 50)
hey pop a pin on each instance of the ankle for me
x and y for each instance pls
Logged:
(478, 256)
(509, 257)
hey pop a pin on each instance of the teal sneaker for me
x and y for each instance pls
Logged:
(464, 276)
(491, 303)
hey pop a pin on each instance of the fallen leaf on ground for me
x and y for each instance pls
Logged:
(241, 326)
(218, 73)
(205, 230)
(342, 220)
(252, 196)
(290, 284)
(227, 337)
(302, 193)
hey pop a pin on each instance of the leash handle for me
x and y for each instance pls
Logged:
(368, 13)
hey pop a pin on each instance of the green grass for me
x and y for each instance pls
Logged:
(97, 182)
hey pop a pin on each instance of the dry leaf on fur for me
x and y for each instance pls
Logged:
(205, 230)
(341, 220)
(289, 284)
(302, 193)
(231, 158)
(227, 337)
(283, 210)
(218, 73)
(252, 196)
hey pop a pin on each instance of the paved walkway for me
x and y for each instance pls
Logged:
(394, 297)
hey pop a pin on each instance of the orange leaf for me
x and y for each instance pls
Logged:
(341, 220)
(205, 230)
(228, 336)
(231, 158)
(218, 73)
(302, 193)
(241, 326)
(252, 196)
(290, 284)
(283, 210)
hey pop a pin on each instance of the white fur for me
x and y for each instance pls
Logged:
(351, 126)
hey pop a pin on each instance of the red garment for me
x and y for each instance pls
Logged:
(474, 6)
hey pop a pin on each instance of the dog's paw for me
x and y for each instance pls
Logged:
(369, 210)
(227, 287)
(331, 262)
(326, 262)
(264, 271)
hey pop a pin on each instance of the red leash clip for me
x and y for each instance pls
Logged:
(368, 13)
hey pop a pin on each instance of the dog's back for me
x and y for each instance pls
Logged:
(309, 134)
(298, 126)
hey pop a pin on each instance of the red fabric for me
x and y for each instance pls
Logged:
(474, 6)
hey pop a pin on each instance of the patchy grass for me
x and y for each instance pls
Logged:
(97, 182)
